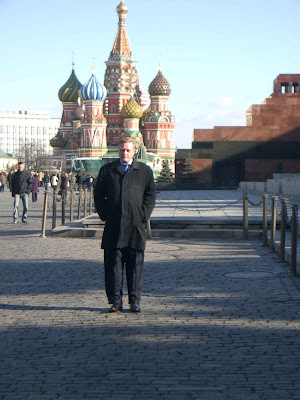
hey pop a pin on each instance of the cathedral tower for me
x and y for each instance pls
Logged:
(93, 126)
(121, 79)
(132, 112)
(159, 122)
(68, 94)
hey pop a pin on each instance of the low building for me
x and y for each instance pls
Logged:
(7, 161)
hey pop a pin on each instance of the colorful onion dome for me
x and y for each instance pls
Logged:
(93, 90)
(122, 8)
(78, 113)
(58, 141)
(69, 92)
(132, 109)
(159, 86)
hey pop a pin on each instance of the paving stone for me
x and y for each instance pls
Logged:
(205, 332)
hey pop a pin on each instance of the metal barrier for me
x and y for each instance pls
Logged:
(285, 223)
(85, 196)
(70, 198)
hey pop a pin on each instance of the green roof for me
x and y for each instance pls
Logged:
(5, 155)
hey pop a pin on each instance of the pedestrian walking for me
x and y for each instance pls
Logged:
(21, 185)
(9, 177)
(2, 181)
(54, 181)
(64, 185)
(35, 187)
(46, 180)
(124, 199)
(41, 176)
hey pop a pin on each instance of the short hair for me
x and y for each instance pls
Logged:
(127, 139)
(20, 162)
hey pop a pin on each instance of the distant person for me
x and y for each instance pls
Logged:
(21, 185)
(35, 188)
(64, 185)
(46, 180)
(2, 181)
(41, 176)
(73, 182)
(78, 181)
(54, 181)
(9, 177)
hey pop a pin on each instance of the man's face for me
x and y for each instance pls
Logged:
(21, 167)
(126, 152)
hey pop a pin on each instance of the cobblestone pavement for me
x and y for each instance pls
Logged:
(220, 320)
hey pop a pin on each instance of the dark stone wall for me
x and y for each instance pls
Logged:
(234, 161)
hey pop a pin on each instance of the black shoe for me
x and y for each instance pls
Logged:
(25, 222)
(135, 307)
(116, 307)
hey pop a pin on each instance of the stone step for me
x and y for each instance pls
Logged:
(194, 224)
(204, 226)
(65, 231)
(204, 233)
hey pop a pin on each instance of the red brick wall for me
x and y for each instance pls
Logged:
(261, 170)
(203, 170)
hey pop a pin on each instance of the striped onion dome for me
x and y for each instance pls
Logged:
(132, 109)
(159, 86)
(78, 113)
(58, 141)
(69, 92)
(93, 90)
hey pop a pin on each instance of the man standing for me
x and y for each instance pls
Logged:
(124, 199)
(21, 185)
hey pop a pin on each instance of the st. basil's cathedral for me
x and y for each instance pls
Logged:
(96, 116)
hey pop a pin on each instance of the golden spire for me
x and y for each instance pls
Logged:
(122, 8)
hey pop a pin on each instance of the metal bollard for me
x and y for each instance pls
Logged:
(245, 214)
(273, 223)
(265, 220)
(79, 204)
(91, 201)
(54, 209)
(71, 205)
(63, 207)
(294, 229)
(149, 235)
(283, 229)
(85, 202)
(43, 234)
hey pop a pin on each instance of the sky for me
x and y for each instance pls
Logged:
(220, 56)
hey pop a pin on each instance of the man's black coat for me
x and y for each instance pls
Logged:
(125, 203)
(21, 183)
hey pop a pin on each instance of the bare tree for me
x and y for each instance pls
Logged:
(34, 156)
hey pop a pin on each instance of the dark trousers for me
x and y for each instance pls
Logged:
(114, 262)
